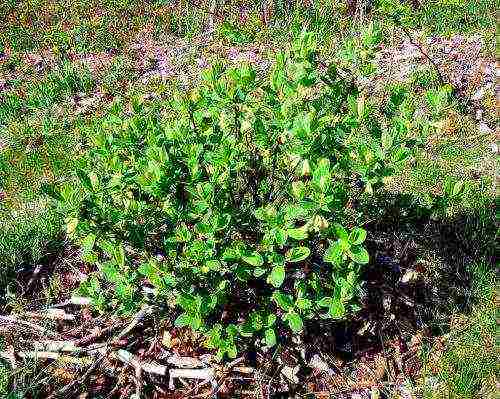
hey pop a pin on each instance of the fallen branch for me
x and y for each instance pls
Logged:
(469, 138)
(146, 310)
(74, 300)
(134, 361)
(79, 361)
(244, 370)
(97, 334)
(207, 375)
(63, 359)
(55, 346)
(407, 33)
(53, 314)
(185, 362)
(216, 385)
(39, 355)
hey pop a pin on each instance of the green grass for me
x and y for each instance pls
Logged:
(100, 25)
(40, 140)
(460, 157)
(467, 365)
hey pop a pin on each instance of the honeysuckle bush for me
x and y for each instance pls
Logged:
(229, 205)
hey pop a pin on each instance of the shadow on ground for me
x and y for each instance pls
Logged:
(421, 274)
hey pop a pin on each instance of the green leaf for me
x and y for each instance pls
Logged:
(305, 169)
(279, 236)
(387, 140)
(182, 233)
(84, 179)
(321, 175)
(256, 321)
(243, 272)
(298, 189)
(119, 255)
(267, 214)
(111, 272)
(259, 272)
(107, 246)
(284, 301)
(222, 221)
(341, 232)
(297, 254)
(299, 233)
(232, 351)
(325, 302)
(231, 254)
(458, 188)
(359, 255)
(246, 330)
(94, 181)
(401, 155)
(123, 291)
(88, 243)
(448, 186)
(334, 253)
(271, 319)
(146, 269)
(294, 321)
(186, 302)
(51, 191)
(213, 265)
(303, 303)
(347, 286)
(270, 337)
(277, 276)
(195, 323)
(203, 229)
(357, 236)
(337, 309)
(254, 259)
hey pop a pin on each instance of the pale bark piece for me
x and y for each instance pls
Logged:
(148, 367)
(207, 374)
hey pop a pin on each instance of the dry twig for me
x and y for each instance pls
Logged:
(134, 361)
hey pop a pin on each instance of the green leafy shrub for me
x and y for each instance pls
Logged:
(360, 52)
(231, 203)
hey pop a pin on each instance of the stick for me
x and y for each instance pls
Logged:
(53, 314)
(185, 362)
(207, 374)
(244, 370)
(74, 300)
(95, 335)
(39, 355)
(145, 311)
(468, 138)
(133, 360)
(56, 346)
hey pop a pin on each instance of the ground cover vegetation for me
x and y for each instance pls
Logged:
(271, 182)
